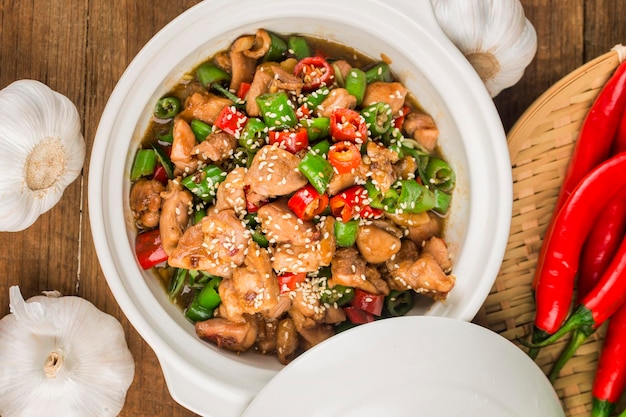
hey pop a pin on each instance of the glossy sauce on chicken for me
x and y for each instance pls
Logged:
(288, 188)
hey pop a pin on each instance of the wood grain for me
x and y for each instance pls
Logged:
(80, 48)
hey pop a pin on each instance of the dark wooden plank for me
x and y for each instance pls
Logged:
(559, 27)
(48, 47)
(118, 29)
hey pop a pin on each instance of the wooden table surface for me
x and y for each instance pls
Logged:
(81, 47)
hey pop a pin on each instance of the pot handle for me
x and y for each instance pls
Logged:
(226, 401)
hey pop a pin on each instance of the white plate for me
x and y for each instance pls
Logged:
(410, 366)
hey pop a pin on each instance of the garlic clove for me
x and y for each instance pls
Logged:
(495, 36)
(43, 151)
(61, 356)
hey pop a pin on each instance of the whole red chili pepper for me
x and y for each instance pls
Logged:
(555, 287)
(593, 144)
(619, 144)
(597, 253)
(597, 132)
(610, 379)
(602, 243)
(601, 302)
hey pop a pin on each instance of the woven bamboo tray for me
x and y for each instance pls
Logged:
(540, 146)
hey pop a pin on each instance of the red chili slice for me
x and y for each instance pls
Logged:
(307, 203)
(289, 281)
(315, 71)
(344, 156)
(291, 140)
(149, 249)
(353, 203)
(347, 124)
(371, 303)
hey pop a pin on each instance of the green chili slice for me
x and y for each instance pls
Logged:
(356, 83)
(442, 201)
(321, 148)
(378, 118)
(242, 157)
(399, 303)
(414, 197)
(165, 161)
(277, 49)
(339, 294)
(167, 137)
(276, 110)
(198, 215)
(205, 301)
(255, 227)
(345, 233)
(317, 128)
(200, 129)
(204, 183)
(315, 98)
(387, 201)
(439, 174)
(253, 135)
(379, 72)
(144, 164)
(167, 107)
(299, 47)
(317, 170)
(209, 73)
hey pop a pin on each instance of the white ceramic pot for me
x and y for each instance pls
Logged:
(212, 382)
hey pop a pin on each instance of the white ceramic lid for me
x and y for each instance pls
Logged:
(410, 366)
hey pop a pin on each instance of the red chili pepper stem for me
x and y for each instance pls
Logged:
(579, 336)
(582, 316)
(538, 336)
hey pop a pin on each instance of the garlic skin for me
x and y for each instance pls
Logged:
(43, 151)
(62, 357)
(494, 35)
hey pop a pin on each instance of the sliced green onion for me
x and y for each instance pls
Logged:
(165, 161)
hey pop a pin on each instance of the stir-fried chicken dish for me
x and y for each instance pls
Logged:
(287, 189)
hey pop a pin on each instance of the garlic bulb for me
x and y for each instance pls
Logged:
(43, 151)
(494, 35)
(61, 357)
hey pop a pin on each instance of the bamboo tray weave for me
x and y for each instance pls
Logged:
(540, 145)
